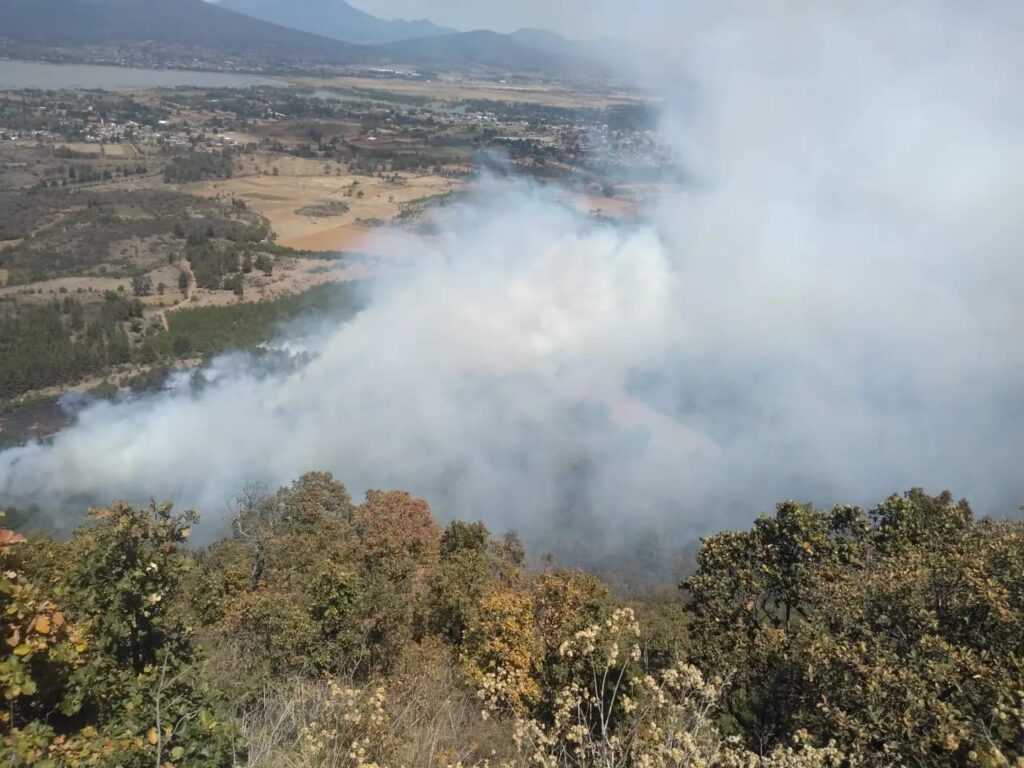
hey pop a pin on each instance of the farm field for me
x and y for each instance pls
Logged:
(297, 201)
(124, 213)
(456, 88)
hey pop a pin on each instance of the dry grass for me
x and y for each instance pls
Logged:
(113, 151)
(611, 207)
(120, 151)
(456, 88)
(342, 237)
(83, 147)
(426, 717)
(302, 184)
(72, 285)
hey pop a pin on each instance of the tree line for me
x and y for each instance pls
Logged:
(328, 632)
(199, 166)
(62, 341)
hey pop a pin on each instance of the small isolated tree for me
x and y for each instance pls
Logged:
(129, 572)
(265, 264)
(142, 285)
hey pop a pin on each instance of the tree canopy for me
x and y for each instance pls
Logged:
(329, 632)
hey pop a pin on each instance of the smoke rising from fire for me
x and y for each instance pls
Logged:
(829, 310)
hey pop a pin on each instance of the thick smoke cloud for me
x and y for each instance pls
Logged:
(851, 256)
(829, 311)
(491, 377)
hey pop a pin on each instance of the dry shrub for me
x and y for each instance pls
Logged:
(426, 717)
(617, 715)
(304, 723)
(436, 717)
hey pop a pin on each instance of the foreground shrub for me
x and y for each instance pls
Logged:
(423, 715)
(616, 713)
(898, 633)
(344, 635)
(111, 679)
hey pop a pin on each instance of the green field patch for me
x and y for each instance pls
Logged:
(211, 330)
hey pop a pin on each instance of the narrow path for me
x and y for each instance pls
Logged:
(185, 266)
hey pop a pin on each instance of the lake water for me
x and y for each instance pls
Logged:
(16, 74)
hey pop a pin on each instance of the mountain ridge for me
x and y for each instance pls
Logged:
(222, 31)
(480, 47)
(190, 23)
(336, 19)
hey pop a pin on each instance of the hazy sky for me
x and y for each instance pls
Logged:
(574, 18)
(665, 22)
(655, 20)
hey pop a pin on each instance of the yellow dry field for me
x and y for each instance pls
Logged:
(611, 207)
(3, 277)
(120, 151)
(83, 147)
(241, 137)
(113, 151)
(44, 289)
(301, 183)
(628, 201)
(168, 275)
(457, 89)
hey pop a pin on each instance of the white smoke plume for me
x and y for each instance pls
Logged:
(831, 311)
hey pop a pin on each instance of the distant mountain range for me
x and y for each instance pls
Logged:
(542, 39)
(335, 18)
(189, 23)
(476, 48)
(322, 31)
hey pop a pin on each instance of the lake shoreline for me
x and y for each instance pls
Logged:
(22, 74)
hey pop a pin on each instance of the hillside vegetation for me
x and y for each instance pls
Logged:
(325, 632)
(256, 34)
(191, 23)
